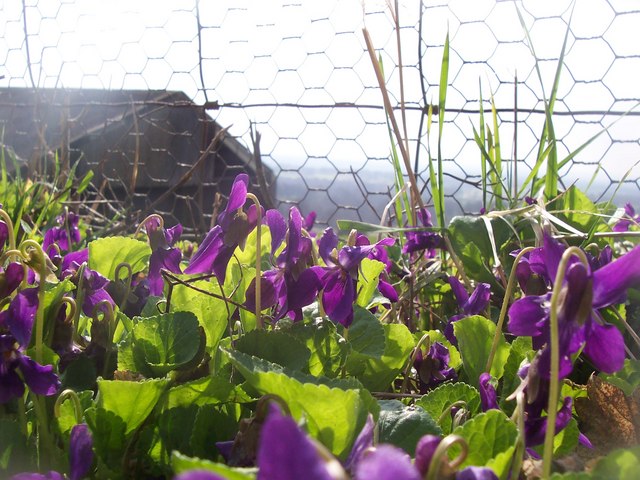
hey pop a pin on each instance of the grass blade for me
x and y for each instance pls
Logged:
(483, 162)
(442, 100)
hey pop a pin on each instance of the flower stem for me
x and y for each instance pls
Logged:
(518, 453)
(439, 456)
(503, 310)
(73, 396)
(33, 251)
(424, 340)
(554, 381)
(4, 216)
(254, 199)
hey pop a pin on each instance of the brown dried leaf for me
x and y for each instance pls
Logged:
(609, 417)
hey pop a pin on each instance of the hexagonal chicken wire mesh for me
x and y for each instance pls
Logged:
(299, 71)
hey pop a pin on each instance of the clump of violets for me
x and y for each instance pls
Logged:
(290, 285)
(584, 291)
(423, 241)
(338, 277)
(66, 235)
(16, 368)
(536, 391)
(473, 304)
(234, 225)
(163, 254)
(433, 368)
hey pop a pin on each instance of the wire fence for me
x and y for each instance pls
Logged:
(298, 73)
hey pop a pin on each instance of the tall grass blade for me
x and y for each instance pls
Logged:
(483, 162)
(548, 133)
(487, 156)
(497, 155)
(442, 100)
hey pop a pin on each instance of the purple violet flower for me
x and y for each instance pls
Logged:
(93, 283)
(16, 324)
(536, 389)
(80, 451)
(65, 235)
(10, 278)
(488, 395)
(628, 219)
(433, 369)
(363, 441)
(163, 253)
(290, 285)
(469, 305)
(386, 462)
(422, 240)
(234, 225)
(339, 276)
(309, 222)
(584, 292)
(4, 234)
(198, 475)
(39, 378)
(286, 452)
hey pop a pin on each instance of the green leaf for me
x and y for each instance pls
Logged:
(366, 334)
(501, 463)
(105, 254)
(622, 464)
(520, 349)
(67, 418)
(205, 391)
(108, 431)
(377, 374)
(627, 379)
(217, 423)
(166, 342)
(578, 211)
(182, 463)
(487, 434)
(52, 302)
(236, 283)
(131, 401)
(79, 375)
(334, 415)
(328, 349)
(566, 440)
(211, 312)
(14, 451)
(441, 398)
(276, 347)
(247, 256)
(403, 425)
(368, 277)
(175, 426)
(475, 336)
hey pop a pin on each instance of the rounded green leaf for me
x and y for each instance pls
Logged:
(475, 336)
(166, 342)
(440, 399)
(105, 254)
(403, 425)
(487, 435)
(275, 346)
